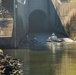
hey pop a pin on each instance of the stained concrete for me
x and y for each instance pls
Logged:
(36, 16)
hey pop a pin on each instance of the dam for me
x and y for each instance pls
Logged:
(36, 18)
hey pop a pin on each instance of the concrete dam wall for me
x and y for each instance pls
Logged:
(36, 16)
(68, 16)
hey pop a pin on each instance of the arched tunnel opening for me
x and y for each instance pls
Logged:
(37, 22)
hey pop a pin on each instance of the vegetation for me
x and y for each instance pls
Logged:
(72, 0)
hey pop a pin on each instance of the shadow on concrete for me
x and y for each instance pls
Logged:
(38, 18)
(57, 27)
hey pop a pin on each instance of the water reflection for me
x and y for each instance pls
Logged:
(61, 61)
(68, 63)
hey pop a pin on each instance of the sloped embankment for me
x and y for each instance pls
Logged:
(67, 14)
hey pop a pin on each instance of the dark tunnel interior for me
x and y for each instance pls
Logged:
(37, 21)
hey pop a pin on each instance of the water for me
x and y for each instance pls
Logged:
(61, 61)
(41, 39)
